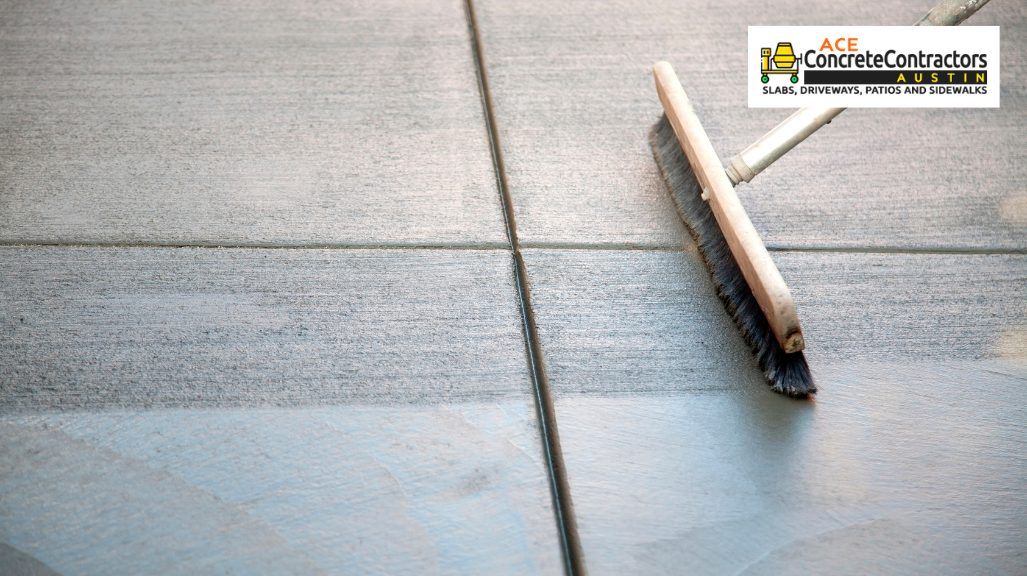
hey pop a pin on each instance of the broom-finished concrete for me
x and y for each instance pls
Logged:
(363, 408)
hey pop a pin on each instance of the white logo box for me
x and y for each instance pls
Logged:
(873, 66)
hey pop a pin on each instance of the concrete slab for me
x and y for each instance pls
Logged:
(632, 322)
(643, 321)
(105, 327)
(409, 443)
(909, 460)
(455, 489)
(257, 123)
(872, 478)
(574, 99)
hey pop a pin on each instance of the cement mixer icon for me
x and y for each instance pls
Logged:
(783, 62)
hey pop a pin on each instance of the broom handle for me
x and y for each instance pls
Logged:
(797, 127)
(764, 279)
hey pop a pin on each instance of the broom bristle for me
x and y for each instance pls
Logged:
(787, 373)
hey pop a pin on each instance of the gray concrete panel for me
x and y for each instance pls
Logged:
(681, 460)
(103, 327)
(644, 321)
(574, 99)
(903, 468)
(256, 123)
(401, 489)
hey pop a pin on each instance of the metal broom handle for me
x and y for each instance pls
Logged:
(797, 127)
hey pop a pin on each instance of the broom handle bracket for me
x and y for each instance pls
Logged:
(797, 127)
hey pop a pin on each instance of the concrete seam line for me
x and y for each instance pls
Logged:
(559, 486)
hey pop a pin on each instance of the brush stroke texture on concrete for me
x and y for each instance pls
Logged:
(639, 322)
(456, 489)
(412, 445)
(242, 123)
(324, 411)
(101, 327)
(574, 99)
(909, 461)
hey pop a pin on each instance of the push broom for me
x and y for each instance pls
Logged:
(749, 284)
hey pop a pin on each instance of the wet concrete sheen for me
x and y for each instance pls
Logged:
(899, 468)
(453, 489)
(680, 459)
(347, 389)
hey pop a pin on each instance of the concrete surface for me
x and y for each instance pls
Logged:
(574, 95)
(637, 322)
(242, 123)
(911, 459)
(874, 478)
(344, 388)
(348, 489)
(425, 457)
(103, 327)
(678, 458)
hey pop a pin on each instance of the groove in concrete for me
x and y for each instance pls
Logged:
(484, 246)
(260, 245)
(559, 484)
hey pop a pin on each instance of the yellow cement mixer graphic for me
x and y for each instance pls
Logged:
(783, 62)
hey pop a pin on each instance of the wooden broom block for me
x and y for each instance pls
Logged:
(752, 257)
